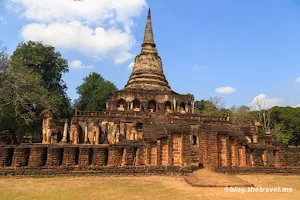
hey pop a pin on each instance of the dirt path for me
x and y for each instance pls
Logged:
(207, 178)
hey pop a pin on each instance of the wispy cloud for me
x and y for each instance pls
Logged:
(225, 90)
(77, 64)
(298, 79)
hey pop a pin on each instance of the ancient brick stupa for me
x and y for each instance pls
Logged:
(147, 89)
(147, 124)
(147, 73)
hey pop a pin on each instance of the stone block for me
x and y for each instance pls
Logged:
(38, 156)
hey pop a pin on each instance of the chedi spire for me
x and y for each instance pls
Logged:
(148, 45)
(147, 73)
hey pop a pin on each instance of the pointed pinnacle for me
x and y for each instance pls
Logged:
(148, 36)
(149, 14)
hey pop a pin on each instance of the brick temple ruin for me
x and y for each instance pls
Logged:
(146, 127)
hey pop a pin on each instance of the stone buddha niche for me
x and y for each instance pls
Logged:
(136, 106)
(121, 105)
(168, 107)
(182, 108)
(121, 108)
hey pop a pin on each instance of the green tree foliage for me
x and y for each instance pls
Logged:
(191, 98)
(200, 106)
(285, 124)
(280, 134)
(25, 92)
(3, 57)
(242, 115)
(215, 106)
(31, 80)
(21, 92)
(211, 109)
(94, 92)
(44, 60)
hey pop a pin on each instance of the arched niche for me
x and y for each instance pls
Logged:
(194, 140)
(168, 106)
(80, 135)
(152, 106)
(182, 107)
(136, 105)
(121, 105)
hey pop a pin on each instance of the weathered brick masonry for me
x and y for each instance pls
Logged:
(21, 156)
(59, 157)
(6, 154)
(146, 128)
(38, 156)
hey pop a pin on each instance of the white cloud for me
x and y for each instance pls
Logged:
(264, 102)
(77, 64)
(225, 90)
(110, 43)
(298, 79)
(130, 66)
(297, 106)
(96, 28)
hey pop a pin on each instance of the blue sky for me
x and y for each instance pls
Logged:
(250, 47)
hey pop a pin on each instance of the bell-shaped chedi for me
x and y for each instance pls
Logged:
(147, 73)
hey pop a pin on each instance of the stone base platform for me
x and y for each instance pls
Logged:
(259, 170)
(207, 178)
(94, 170)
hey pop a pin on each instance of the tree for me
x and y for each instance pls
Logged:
(218, 102)
(18, 112)
(3, 57)
(280, 134)
(33, 77)
(191, 98)
(263, 113)
(200, 106)
(215, 106)
(288, 120)
(241, 115)
(44, 60)
(94, 92)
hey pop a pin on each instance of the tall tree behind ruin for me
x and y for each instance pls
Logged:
(21, 92)
(264, 114)
(94, 92)
(285, 124)
(242, 115)
(3, 57)
(213, 106)
(218, 102)
(46, 61)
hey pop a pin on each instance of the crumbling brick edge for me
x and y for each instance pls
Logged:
(94, 171)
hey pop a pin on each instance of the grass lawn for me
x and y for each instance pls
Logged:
(147, 187)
